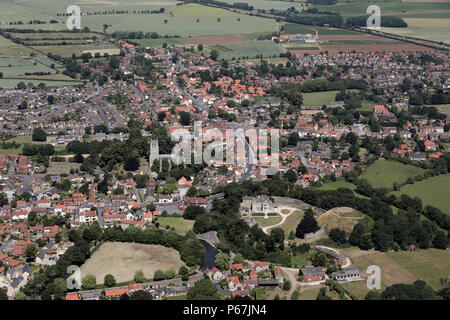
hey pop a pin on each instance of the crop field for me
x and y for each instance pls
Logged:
(122, 260)
(180, 20)
(432, 191)
(250, 49)
(14, 12)
(426, 28)
(47, 36)
(319, 98)
(383, 173)
(180, 224)
(391, 7)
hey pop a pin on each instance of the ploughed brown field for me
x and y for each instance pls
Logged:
(122, 260)
(225, 39)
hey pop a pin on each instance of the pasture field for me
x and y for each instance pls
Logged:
(122, 260)
(157, 42)
(19, 66)
(341, 184)
(12, 83)
(403, 267)
(7, 47)
(336, 185)
(319, 98)
(432, 191)
(180, 224)
(249, 49)
(193, 10)
(383, 173)
(67, 50)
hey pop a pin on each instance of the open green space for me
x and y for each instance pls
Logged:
(250, 49)
(12, 83)
(193, 10)
(319, 98)
(383, 173)
(291, 222)
(270, 221)
(180, 224)
(157, 42)
(432, 191)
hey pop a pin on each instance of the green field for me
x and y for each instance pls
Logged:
(387, 7)
(17, 66)
(157, 42)
(7, 47)
(67, 50)
(402, 266)
(432, 191)
(319, 98)
(180, 224)
(383, 173)
(21, 140)
(291, 222)
(174, 21)
(270, 221)
(12, 83)
(250, 49)
(193, 10)
(269, 4)
(436, 29)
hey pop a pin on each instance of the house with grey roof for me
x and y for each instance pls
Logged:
(347, 274)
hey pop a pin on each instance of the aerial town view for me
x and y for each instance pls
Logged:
(220, 150)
